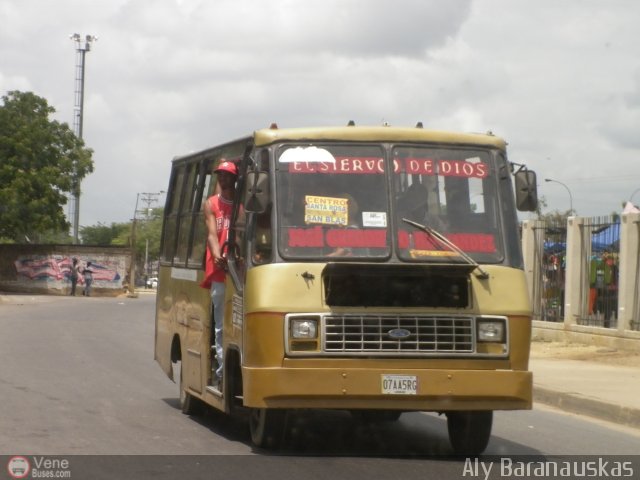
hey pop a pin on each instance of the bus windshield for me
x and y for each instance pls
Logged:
(342, 201)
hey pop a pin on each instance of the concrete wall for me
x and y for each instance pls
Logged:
(45, 268)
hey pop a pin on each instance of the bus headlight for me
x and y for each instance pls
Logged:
(491, 330)
(304, 328)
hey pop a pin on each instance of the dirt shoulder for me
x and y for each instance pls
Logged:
(592, 353)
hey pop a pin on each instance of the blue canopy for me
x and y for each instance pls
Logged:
(606, 239)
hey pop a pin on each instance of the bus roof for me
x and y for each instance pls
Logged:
(268, 136)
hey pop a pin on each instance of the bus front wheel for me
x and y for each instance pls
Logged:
(267, 426)
(469, 432)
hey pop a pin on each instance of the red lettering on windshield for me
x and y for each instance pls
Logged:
(337, 237)
(411, 166)
(344, 165)
(468, 242)
(306, 237)
(357, 238)
(459, 168)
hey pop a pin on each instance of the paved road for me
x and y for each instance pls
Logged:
(78, 377)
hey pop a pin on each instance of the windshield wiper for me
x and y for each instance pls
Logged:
(444, 240)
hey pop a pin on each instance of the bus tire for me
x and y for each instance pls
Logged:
(188, 403)
(469, 431)
(267, 427)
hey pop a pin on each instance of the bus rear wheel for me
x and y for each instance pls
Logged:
(267, 427)
(188, 403)
(469, 432)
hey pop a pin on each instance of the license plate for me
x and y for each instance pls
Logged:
(399, 384)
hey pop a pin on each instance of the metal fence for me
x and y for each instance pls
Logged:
(584, 278)
(635, 322)
(600, 239)
(549, 273)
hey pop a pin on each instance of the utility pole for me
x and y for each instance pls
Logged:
(132, 265)
(148, 198)
(82, 47)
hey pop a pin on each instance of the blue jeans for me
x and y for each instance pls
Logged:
(217, 299)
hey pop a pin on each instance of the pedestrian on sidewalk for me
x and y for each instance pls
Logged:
(75, 273)
(88, 279)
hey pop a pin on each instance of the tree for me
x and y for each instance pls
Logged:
(148, 234)
(102, 234)
(41, 161)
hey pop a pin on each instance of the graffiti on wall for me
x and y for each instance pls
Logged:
(55, 270)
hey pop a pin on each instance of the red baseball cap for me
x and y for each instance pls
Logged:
(227, 166)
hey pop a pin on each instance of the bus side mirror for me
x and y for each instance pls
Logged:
(526, 190)
(256, 194)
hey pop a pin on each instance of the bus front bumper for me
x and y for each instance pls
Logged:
(435, 390)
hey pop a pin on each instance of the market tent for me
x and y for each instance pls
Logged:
(606, 238)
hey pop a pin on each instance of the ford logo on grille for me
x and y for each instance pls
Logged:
(399, 333)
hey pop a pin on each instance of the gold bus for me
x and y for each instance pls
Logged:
(376, 270)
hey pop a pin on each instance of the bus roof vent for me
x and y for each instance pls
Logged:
(273, 126)
(351, 123)
(419, 125)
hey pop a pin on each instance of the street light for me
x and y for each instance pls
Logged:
(634, 192)
(568, 191)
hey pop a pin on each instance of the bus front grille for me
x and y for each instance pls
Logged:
(394, 334)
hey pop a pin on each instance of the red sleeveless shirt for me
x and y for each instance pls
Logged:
(221, 210)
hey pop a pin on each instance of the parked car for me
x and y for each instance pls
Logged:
(152, 282)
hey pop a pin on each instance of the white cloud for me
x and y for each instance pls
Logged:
(559, 80)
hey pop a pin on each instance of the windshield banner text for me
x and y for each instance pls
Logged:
(411, 166)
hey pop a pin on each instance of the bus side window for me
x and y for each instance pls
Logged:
(199, 241)
(185, 219)
(171, 213)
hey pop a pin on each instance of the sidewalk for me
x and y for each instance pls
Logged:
(588, 380)
(31, 298)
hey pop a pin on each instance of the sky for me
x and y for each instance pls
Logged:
(559, 80)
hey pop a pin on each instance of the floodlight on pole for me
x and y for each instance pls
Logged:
(568, 191)
(83, 45)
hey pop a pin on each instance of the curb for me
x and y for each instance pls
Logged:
(576, 403)
(17, 300)
(26, 299)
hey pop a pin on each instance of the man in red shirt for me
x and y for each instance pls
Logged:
(217, 214)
